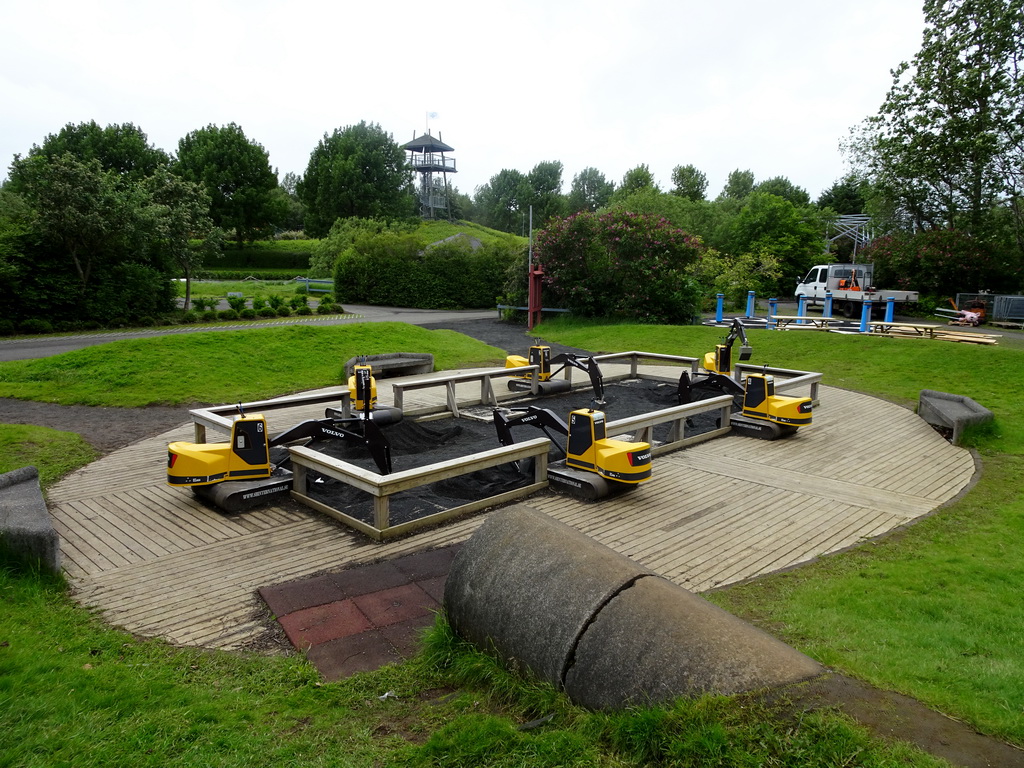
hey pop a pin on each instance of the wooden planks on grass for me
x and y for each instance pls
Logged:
(159, 563)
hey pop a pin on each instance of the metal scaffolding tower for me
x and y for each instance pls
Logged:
(856, 227)
(426, 155)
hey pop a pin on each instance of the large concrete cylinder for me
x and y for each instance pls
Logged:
(598, 625)
(526, 585)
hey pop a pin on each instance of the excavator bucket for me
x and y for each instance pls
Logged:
(380, 448)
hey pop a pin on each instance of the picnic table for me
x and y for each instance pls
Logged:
(802, 321)
(926, 330)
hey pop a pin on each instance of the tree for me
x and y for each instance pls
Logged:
(784, 188)
(500, 202)
(689, 182)
(543, 191)
(946, 148)
(79, 207)
(846, 196)
(94, 240)
(184, 230)
(123, 149)
(738, 185)
(235, 172)
(773, 225)
(636, 179)
(358, 171)
(590, 191)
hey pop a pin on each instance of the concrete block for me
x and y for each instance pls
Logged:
(394, 363)
(941, 409)
(25, 524)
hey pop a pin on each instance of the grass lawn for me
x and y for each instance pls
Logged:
(226, 367)
(219, 289)
(933, 611)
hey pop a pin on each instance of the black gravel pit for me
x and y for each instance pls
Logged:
(418, 444)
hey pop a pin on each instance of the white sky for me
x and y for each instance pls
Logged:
(747, 84)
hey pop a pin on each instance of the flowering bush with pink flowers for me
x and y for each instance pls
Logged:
(620, 264)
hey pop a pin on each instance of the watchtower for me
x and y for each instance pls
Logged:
(426, 155)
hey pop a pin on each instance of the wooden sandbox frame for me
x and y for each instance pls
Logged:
(382, 487)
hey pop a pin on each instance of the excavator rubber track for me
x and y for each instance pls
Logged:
(236, 495)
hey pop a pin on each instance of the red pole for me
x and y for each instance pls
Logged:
(534, 305)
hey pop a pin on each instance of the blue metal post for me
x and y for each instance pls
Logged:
(890, 308)
(773, 309)
(750, 304)
(827, 311)
(801, 307)
(719, 301)
(865, 316)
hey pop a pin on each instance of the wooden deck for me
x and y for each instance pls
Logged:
(159, 564)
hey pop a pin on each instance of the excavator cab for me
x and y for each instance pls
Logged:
(588, 448)
(362, 388)
(539, 355)
(761, 402)
(245, 457)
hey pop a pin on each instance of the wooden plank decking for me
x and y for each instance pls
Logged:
(158, 563)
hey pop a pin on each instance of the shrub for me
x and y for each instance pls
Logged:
(247, 314)
(284, 310)
(6, 328)
(304, 310)
(259, 302)
(326, 299)
(276, 301)
(324, 309)
(299, 301)
(268, 312)
(209, 315)
(620, 264)
(237, 303)
(35, 325)
(228, 314)
(201, 303)
(189, 317)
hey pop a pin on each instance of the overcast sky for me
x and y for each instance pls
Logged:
(747, 84)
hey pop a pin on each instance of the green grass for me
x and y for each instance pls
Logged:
(219, 289)
(52, 452)
(935, 611)
(226, 367)
(76, 693)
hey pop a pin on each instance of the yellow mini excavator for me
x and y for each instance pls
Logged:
(252, 466)
(760, 412)
(592, 464)
(540, 355)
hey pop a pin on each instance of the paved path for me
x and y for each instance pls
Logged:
(159, 564)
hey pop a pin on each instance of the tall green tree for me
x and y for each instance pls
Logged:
(123, 149)
(689, 182)
(183, 230)
(589, 191)
(543, 191)
(946, 148)
(235, 172)
(500, 203)
(846, 196)
(358, 171)
(738, 185)
(784, 188)
(634, 180)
